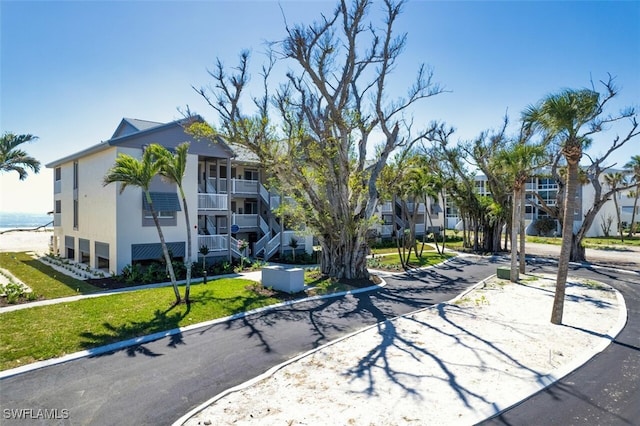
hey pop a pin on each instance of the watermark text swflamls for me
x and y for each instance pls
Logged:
(35, 414)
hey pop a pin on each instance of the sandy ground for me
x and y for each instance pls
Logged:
(36, 241)
(453, 364)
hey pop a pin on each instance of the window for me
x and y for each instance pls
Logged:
(250, 174)
(58, 173)
(75, 214)
(223, 172)
(75, 175)
(58, 208)
(251, 207)
(102, 256)
(161, 214)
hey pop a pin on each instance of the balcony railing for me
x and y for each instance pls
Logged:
(214, 242)
(245, 220)
(238, 186)
(213, 201)
(411, 207)
(386, 207)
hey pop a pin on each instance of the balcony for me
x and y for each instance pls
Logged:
(214, 242)
(411, 207)
(238, 186)
(245, 221)
(386, 207)
(213, 201)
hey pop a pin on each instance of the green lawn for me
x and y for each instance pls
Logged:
(43, 279)
(592, 242)
(392, 261)
(46, 332)
(391, 250)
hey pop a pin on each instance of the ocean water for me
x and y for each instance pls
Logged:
(25, 220)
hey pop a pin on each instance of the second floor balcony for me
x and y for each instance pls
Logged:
(237, 186)
(213, 201)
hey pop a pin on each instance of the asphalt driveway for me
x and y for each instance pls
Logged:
(155, 383)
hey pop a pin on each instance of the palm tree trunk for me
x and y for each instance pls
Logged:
(567, 237)
(444, 221)
(188, 261)
(165, 250)
(435, 237)
(515, 216)
(522, 236)
(615, 203)
(632, 229)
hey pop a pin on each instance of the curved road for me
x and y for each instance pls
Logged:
(606, 390)
(157, 382)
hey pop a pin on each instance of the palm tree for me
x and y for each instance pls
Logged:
(130, 171)
(519, 162)
(172, 168)
(634, 166)
(614, 180)
(562, 115)
(14, 159)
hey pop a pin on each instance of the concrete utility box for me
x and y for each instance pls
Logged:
(289, 280)
(504, 273)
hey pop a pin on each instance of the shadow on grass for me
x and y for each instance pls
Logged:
(161, 321)
(54, 277)
(170, 319)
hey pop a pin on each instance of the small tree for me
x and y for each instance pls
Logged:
(615, 180)
(204, 251)
(293, 243)
(606, 224)
(242, 247)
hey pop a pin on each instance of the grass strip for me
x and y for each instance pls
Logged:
(43, 279)
(52, 331)
(602, 243)
(392, 261)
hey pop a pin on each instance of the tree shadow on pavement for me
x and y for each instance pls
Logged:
(161, 322)
(328, 318)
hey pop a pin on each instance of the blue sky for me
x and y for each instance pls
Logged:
(70, 70)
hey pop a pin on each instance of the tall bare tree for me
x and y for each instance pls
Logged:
(334, 101)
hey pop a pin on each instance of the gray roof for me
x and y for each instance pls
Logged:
(129, 126)
(131, 129)
(242, 154)
(142, 124)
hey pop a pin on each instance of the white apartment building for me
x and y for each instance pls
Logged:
(107, 229)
